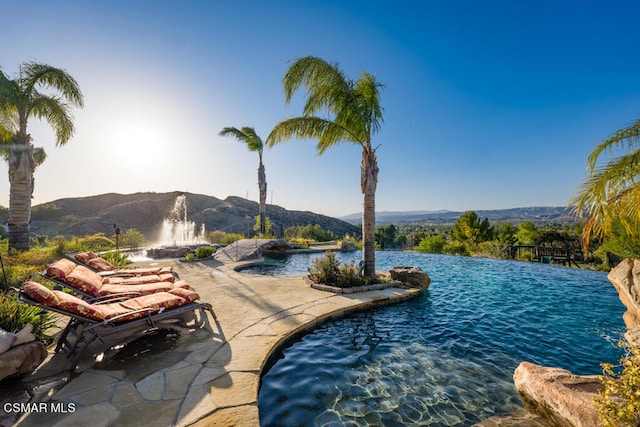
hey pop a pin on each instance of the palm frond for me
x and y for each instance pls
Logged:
(629, 136)
(611, 193)
(35, 74)
(368, 97)
(247, 135)
(57, 114)
(327, 132)
(39, 156)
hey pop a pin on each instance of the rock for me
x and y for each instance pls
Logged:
(561, 397)
(347, 246)
(22, 358)
(626, 279)
(412, 276)
(249, 249)
(174, 251)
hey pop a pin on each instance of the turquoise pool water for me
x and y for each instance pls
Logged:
(447, 357)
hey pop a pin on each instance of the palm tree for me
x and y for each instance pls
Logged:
(353, 115)
(254, 143)
(611, 193)
(20, 100)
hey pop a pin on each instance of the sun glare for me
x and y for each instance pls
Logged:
(140, 144)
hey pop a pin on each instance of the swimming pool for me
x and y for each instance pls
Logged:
(447, 357)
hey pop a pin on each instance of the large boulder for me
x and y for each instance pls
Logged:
(561, 397)
(626, 279)
(412, 276)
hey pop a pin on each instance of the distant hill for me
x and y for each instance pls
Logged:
(146, 212)
(538, 215)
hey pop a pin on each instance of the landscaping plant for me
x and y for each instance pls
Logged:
(618, 402)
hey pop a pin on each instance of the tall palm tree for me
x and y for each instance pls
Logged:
(352, 114)
(611, 193)
(21, 99)
(254, 143)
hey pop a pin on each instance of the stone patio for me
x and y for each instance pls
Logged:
(198, 376)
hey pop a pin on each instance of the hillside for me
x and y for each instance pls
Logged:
(538, 215)
(146, 211)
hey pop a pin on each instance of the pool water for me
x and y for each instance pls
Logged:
(445, 358)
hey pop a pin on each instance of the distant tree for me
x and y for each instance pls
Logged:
(505, 233)
(386, 235)
(611, 193)
(311, 232)
(432, 244)
(262, 227)
(357, 115)
(528, 233)
(249, 136)
(21, 99)
(469, 229)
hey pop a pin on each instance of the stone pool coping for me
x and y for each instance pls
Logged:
(212, 376)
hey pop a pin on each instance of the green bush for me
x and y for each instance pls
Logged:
(190, 256)
(230, 238)
(432, 244)
(327, 270)
(216, 236)
(456, 248)
(14, 316)
(132, 238)
(204, 251)
(618, 403)
(117, 258)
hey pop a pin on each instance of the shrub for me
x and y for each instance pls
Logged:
(618, 403)
(348, 275)
(14, 316)
(325, 269)
(132, 238)
(230, 238)
(216, 236)
(96, 242)
(432, 244)
(204, 251)
(456, 248)
(119, 259)
(329, 271)
(190, 256)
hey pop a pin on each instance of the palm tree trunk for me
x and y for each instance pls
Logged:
(368, 182)
(262, 186)
(21, 169)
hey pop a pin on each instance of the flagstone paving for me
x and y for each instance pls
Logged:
(201, 376)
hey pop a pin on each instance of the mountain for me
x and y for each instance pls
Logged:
(536, 214)
(146, 211)
(385, 217)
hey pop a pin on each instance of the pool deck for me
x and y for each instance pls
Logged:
(211, 375)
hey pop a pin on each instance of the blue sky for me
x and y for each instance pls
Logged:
(487, 104)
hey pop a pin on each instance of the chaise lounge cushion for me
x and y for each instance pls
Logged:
(186, 294)
(61, 268)
(40, 293)
(100, 264)
(75, 305)
(85, 280)
(149, 278)
(85, 256)
(159, 301)
(141, 289)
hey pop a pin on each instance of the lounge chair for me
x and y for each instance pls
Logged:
(116, 315)
(103, 267)
(91, 285)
